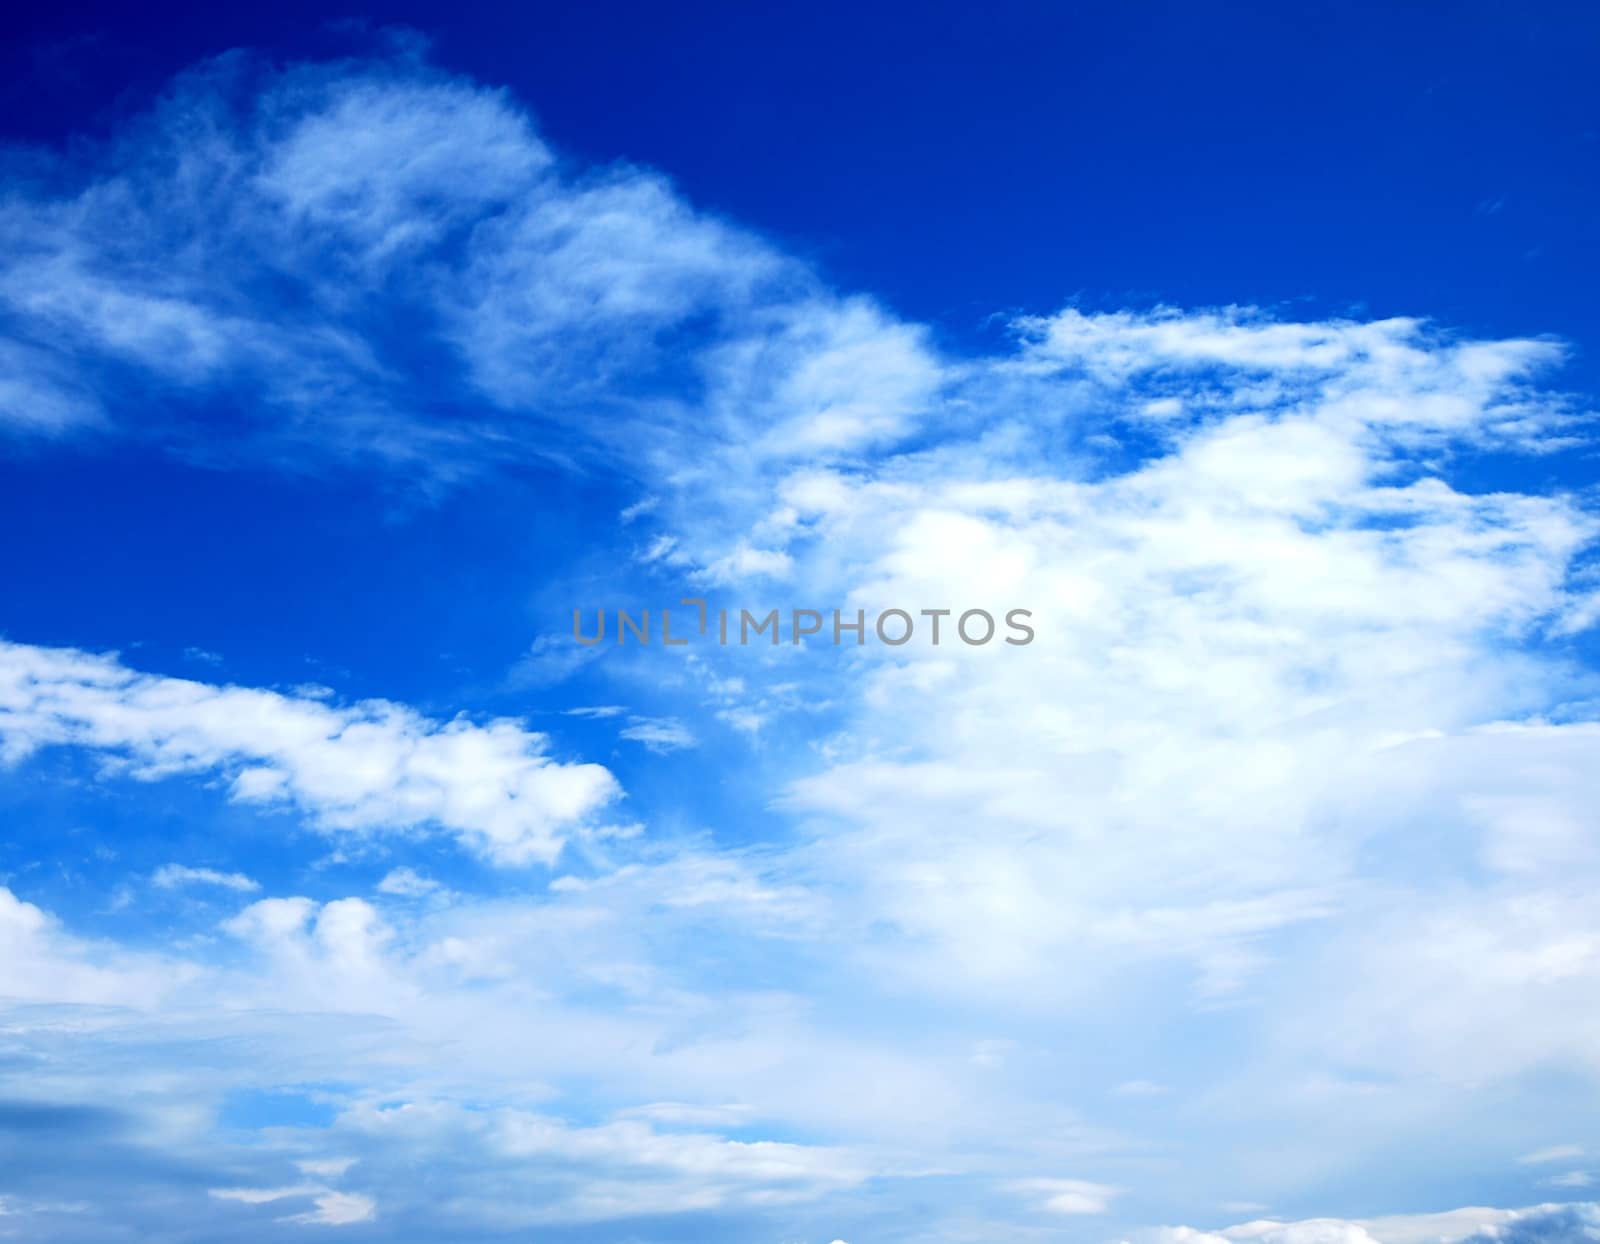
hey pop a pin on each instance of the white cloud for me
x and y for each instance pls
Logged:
(1068, 1196)
(341, 944)
(1266, 599)
(827, 376)
(334, 169)
(364, 768)
(562, 294)
(615, 1170)
(716, 1166)
(40, 961)
(38, 394)
(1555, 1153)
(172, 876)
(262, 1196)
(1477, 1224)
(552, 659)
(660, 734)
(337, 1209)
(330, 1208)
(326, 1168)
(744, 562)
(680, 1114)
(407, 883)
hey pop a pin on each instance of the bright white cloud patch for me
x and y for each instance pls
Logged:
(370, 767)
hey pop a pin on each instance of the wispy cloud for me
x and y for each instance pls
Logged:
(174, 876)
(408, 883)
(1555, 1153)
(1068, 1196)
(659, 734)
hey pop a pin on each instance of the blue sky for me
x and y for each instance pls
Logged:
(343, 893)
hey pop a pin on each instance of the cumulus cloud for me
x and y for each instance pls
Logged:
(1256, 620)
(365, 768)
(41, 961)
(503, 989)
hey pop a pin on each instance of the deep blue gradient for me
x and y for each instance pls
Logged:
(1326, 156)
